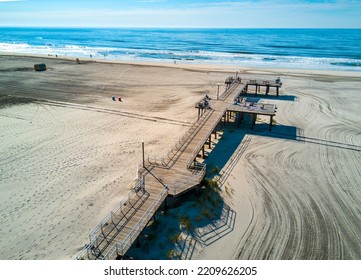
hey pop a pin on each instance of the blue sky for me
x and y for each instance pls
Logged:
(175, 13)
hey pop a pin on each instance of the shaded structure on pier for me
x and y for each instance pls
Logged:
(259, 84)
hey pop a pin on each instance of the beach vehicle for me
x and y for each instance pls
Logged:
(40, 67)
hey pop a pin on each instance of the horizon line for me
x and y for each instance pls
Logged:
(168, 27)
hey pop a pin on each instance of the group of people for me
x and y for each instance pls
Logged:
(238, 100)
(205, 102)
(242, 100)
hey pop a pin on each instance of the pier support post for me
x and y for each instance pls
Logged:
(143, 155)
(209, 141)
(203, 152)
(240, 118)
(165, 205)
(267, 90)
(278, 90)
(137, 243)
(215, 133)
(270, 123)
(254, 117)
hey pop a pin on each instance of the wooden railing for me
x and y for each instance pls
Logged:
(96, 233)
(120, 248)
(168, 157)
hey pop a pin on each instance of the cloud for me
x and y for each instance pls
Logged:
(216, 13)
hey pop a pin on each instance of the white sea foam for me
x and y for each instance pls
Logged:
(129, 54)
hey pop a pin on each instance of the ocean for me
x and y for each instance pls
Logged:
(321, 49)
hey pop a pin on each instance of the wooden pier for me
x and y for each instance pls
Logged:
(172, 174)
(267, 84)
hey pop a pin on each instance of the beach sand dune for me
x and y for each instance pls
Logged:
(69, 153)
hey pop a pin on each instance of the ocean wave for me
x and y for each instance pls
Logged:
(347, 64)
(293, 47)
(191, 56)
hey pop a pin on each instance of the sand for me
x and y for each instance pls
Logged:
(297, 189)
(68, 154)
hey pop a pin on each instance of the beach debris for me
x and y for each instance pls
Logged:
(120, 99)
(40, 67)
(113, 98)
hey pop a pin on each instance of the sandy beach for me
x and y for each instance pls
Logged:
(69, 153)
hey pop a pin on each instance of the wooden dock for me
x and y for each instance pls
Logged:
(172, 174)
(258, 84)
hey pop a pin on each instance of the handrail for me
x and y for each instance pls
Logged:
(262, 80)
(193, 180)
(227, 92)
(93, 233)
(161, 160)
(166, 158)
(201, 143)
(124, 245)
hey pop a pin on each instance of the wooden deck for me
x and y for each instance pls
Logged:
(258, 84)
(172, 174)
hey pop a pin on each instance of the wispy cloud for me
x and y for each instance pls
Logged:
(212, 13)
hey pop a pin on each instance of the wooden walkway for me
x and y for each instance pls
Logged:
(172, 174)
